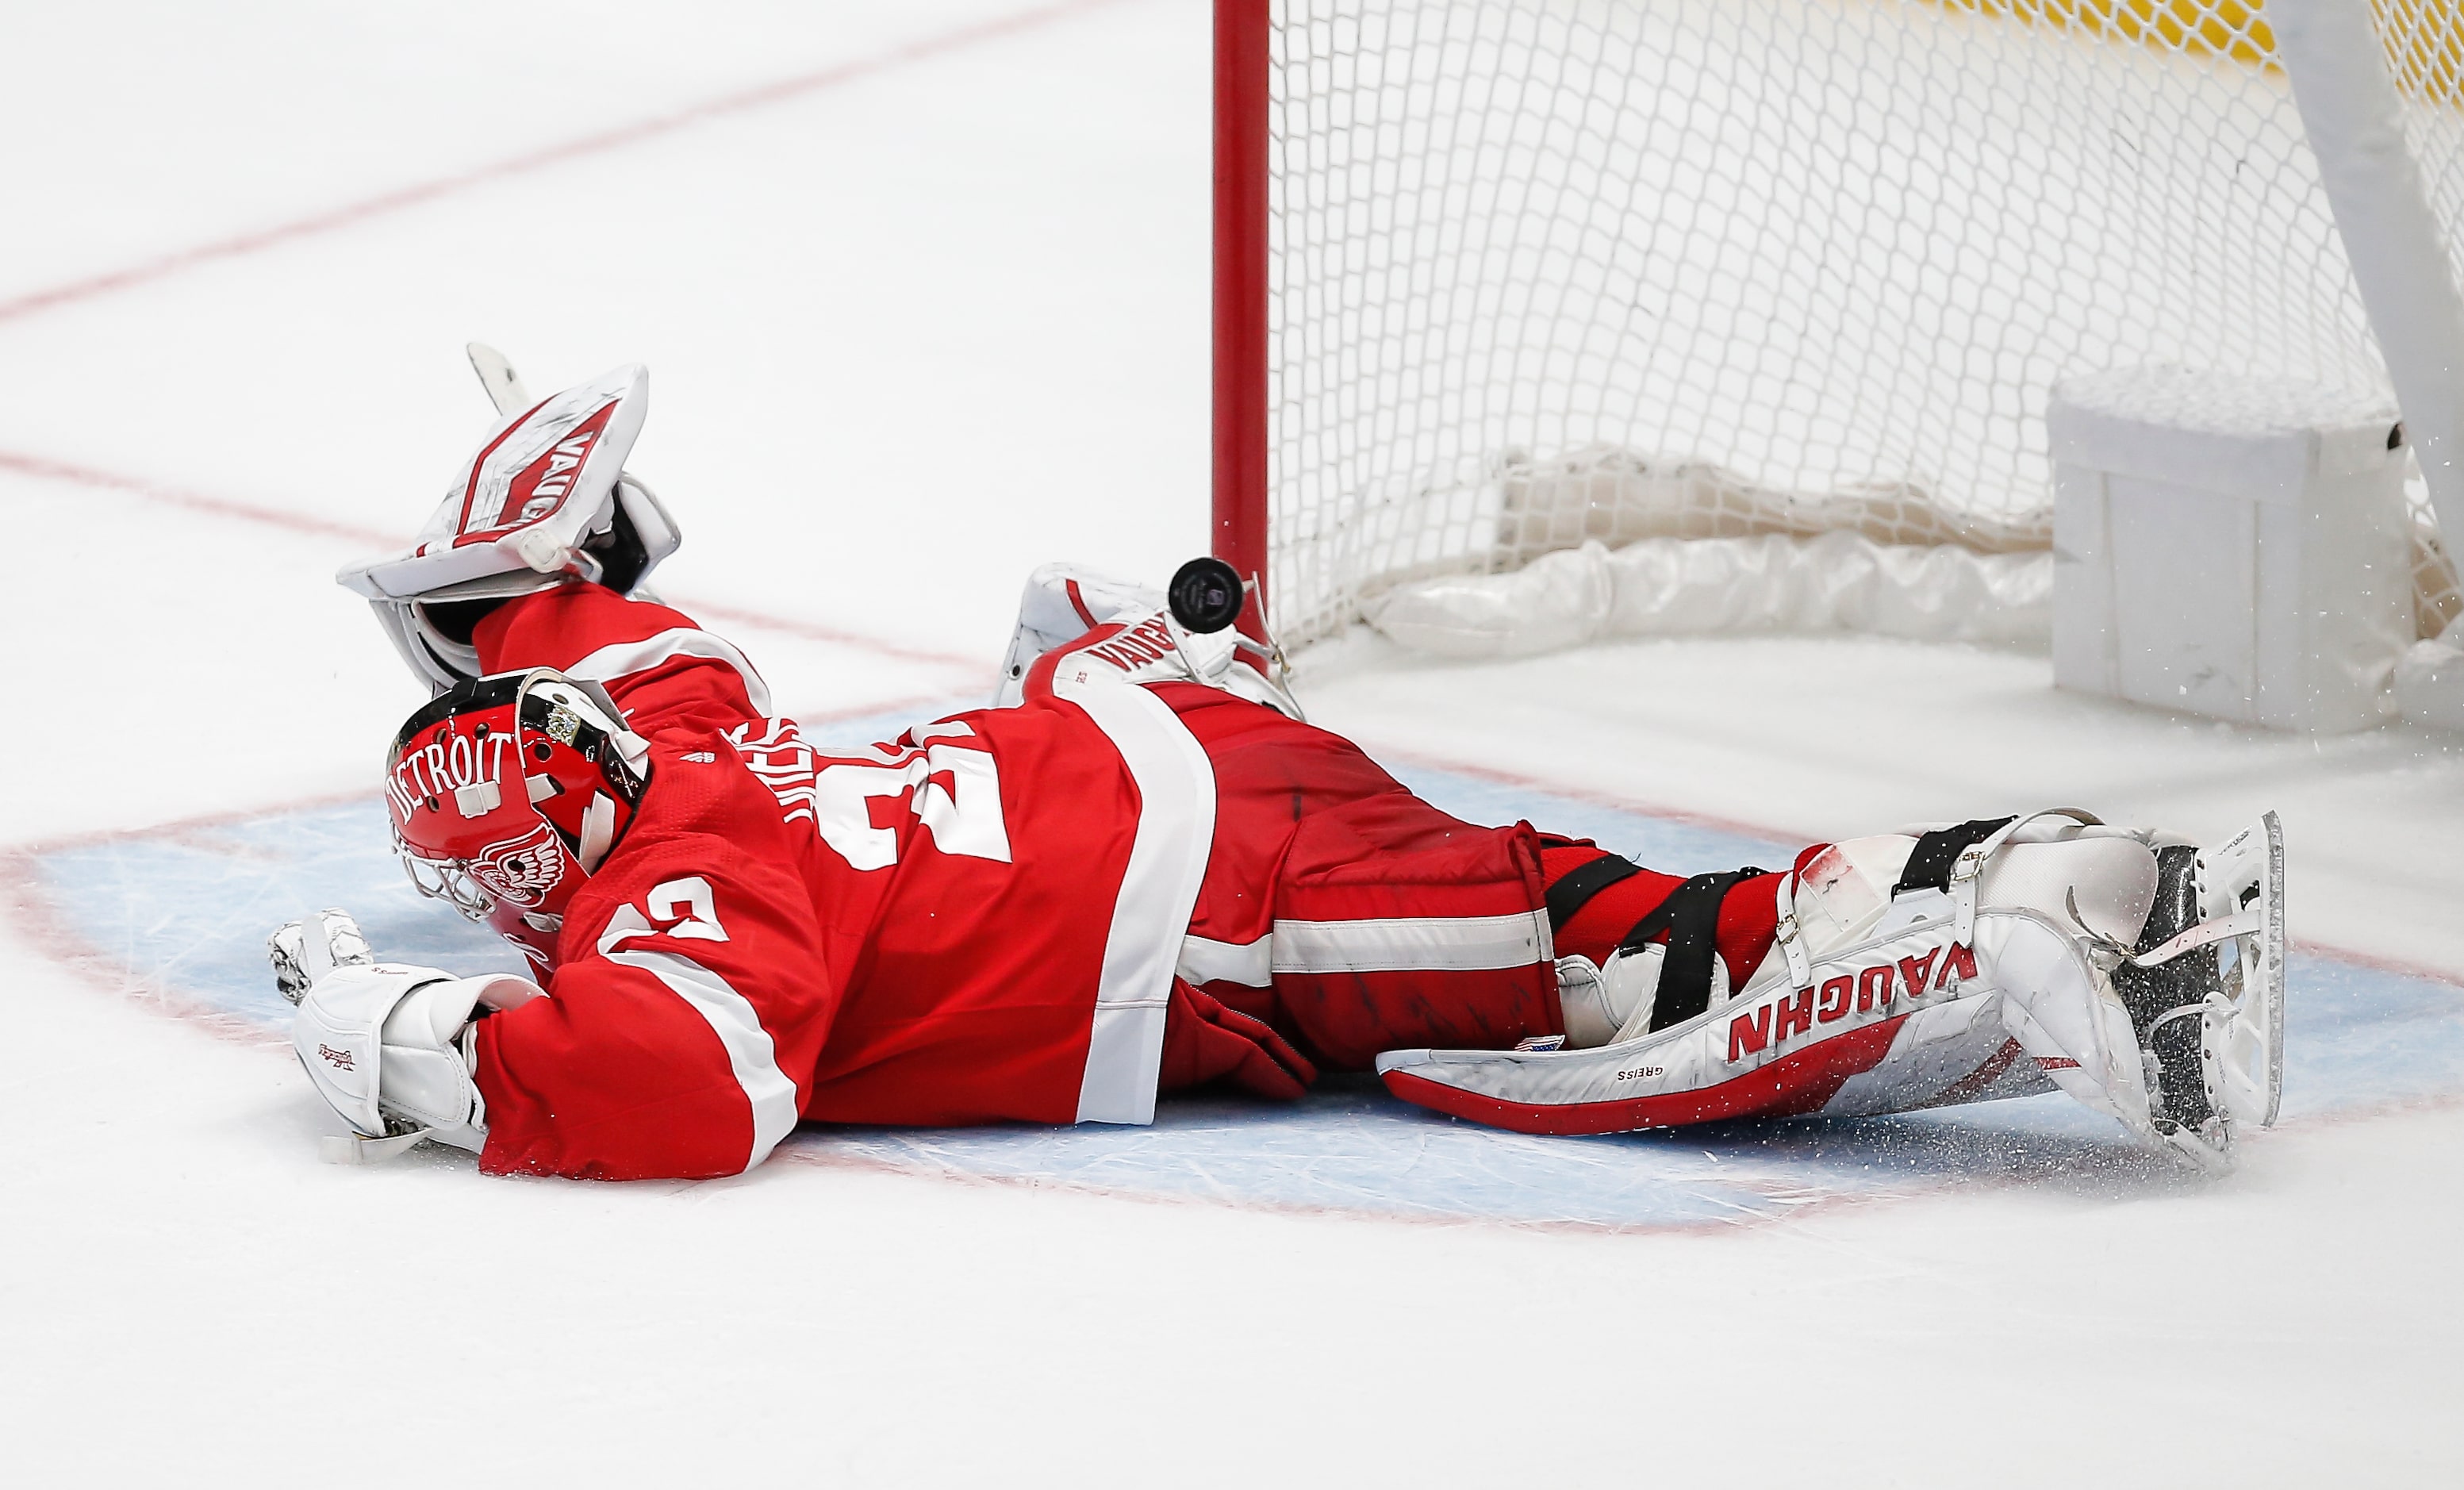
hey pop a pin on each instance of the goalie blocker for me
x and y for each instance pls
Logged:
(1991, 959)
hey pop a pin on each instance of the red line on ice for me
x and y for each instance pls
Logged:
(37, 920)
(805, 1146)
(403, 198)
(44, 468)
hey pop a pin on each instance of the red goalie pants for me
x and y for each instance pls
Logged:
(1342, 915)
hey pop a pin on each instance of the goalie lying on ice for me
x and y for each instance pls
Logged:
(1141, 872)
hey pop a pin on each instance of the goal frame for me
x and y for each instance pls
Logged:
(2346, 96)
(1242, 83)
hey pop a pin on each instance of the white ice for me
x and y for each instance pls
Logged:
(935, 316)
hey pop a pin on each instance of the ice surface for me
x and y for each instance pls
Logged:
(912, 335)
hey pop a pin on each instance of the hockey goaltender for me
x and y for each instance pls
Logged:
(1141, 871)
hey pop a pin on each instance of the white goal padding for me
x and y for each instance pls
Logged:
(1678, 586)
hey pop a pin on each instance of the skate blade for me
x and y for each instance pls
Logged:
(2242, 1029)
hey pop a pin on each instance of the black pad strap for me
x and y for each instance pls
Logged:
(1929, 865)
(1575, 887)
(1690, 915)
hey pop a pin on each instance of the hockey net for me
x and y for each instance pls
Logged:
(1546, 271)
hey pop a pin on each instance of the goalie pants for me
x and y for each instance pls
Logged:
(1343, 917)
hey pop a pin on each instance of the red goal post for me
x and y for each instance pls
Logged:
(1241, 80)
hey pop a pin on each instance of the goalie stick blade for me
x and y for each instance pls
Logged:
(2243, 1043)
(496, 375)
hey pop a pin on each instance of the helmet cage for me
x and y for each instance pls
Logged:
(509, 789)
(443, 879)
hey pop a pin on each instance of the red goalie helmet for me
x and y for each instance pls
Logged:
(507, 792)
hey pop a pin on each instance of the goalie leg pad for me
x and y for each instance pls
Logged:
(1778, 1051)
(1643, 951)
(1918, 971)
(2064, 1015)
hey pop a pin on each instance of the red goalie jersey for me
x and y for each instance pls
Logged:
(1046, 913)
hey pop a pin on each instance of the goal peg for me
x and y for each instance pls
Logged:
(1206, 595)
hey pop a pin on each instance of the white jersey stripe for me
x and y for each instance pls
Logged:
(623, 659)
(749, 1049)
(1420, 944)
(1159, 892)
(1206, 960)
(1414, 944)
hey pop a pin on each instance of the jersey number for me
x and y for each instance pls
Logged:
(964, 816)
(687, 903)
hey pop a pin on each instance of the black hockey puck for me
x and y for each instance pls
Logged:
(1206, 595)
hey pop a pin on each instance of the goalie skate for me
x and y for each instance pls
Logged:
(2206, 991)
(2243, 1054)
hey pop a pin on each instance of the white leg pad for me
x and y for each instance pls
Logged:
(1995, 986)
(2062, 1013)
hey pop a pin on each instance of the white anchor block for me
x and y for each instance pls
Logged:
(2229, 546)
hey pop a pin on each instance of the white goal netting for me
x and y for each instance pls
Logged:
(1544, 271)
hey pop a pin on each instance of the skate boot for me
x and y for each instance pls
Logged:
(2168, 1005)
(2205, 990)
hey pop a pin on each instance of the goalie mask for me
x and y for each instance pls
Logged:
(507, 792)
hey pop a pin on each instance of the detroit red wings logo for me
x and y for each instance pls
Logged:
(522, 870)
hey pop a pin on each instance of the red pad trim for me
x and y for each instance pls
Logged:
(1078, 603)
(470, 488)
(1966, 1088)
(1790, 1087)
